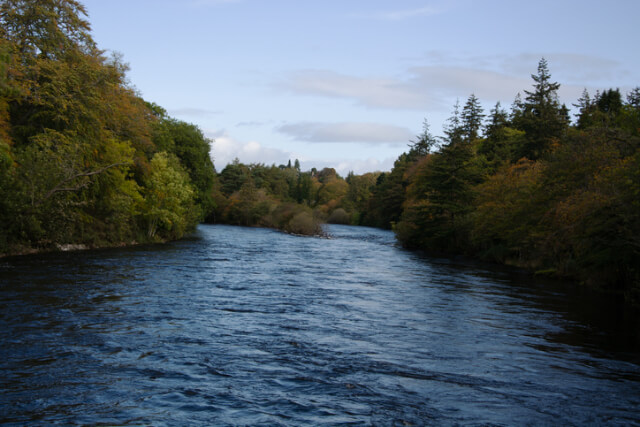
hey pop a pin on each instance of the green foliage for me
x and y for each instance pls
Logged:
(188, 143)
(45, 28)
(533, 192)
(438, 197)
(472, 115)
(78, 160)
(168, 198)
(339, 216)
(541, 117)
(387, 197)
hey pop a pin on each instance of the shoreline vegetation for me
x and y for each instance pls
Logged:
(86, 162)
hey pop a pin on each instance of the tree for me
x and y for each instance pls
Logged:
(233, 176)
(453, 126)
(385, 205)
(439, 196)
(542, 118)
(585, 107)
(633, 98)
(189, 144)
(168, 198)
(45, 28)
(502, 142)
(424, 143)
(472, 115)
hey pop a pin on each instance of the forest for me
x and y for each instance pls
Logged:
(85, 161)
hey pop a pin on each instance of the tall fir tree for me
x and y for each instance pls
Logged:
(453, 127)
(543, 118)
(424, 143)
(472, 115)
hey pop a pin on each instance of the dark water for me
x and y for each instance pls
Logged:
(248, 326)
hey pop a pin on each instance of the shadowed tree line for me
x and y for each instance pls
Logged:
(526, 187)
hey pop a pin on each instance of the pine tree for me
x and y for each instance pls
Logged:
(543, 118)
(497, 120)
(633, 97)
(585, 108)
(472, 118)
(517, 108)
(453, 127)
(424, 144)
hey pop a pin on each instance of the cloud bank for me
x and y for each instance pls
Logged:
(431, 87)
(225, 149)
(371, 133)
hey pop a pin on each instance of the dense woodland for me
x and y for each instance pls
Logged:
(85, 161)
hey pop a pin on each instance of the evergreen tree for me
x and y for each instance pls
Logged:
(542, 119)
(610, 102)
(501, 141)
(633, 98)
(585, 108)
(471, 120)
(453, 127)
(498, 120)
(517, 109)
(424, 143)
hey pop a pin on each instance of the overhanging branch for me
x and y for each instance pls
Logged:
(62, 185)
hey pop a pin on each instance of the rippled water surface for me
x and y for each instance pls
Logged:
(249, 326)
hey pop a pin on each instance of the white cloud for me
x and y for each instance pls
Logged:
(225, 149)
(457, 81)
(444, 77)
(357, 166)
(367, 91)
(567, 67)
(375, 133)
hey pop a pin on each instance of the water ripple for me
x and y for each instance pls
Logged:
(253, 327)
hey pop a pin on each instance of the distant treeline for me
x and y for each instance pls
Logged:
(525, 187)
(84, 160)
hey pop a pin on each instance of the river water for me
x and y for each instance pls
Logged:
(237, 326)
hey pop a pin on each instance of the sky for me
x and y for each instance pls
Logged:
(349, 83)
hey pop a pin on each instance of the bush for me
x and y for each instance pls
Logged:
(303, 223)
(339, 216)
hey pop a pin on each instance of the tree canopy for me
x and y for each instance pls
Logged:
(83, 159)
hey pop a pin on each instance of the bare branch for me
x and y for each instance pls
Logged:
(61, 187)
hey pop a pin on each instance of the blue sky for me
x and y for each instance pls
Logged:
(347, 83)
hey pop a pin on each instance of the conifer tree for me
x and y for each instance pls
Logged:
(633, 97)
(543, 118)
(472, 115)
(497, 121)
(424, 144)
(453, 127)
(585, 108)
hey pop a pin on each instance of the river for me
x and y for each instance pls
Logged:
(238, 326)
